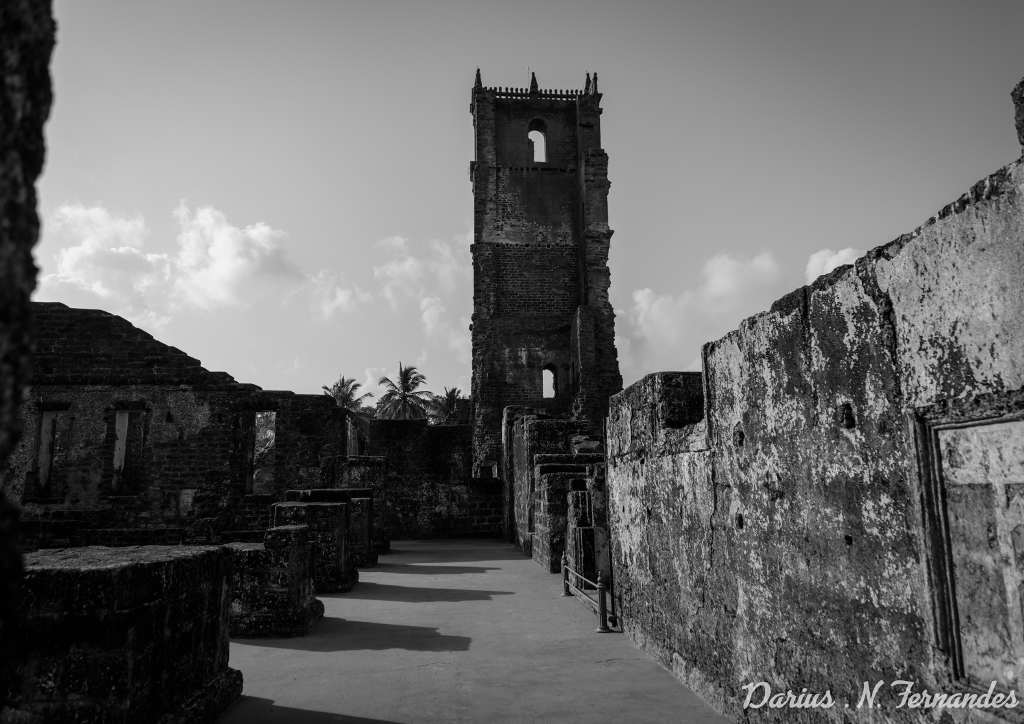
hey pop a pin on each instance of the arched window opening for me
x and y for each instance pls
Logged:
(548, 382)
(537, 143)
(538, 140)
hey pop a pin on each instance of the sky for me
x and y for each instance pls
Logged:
(281, 189)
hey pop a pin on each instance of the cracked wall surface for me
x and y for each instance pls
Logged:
(786, 525)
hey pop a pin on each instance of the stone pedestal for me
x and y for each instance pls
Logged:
(361, 518)
(333, 570)
(136, 634)
(272, 585)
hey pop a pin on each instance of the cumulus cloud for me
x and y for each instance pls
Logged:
(216, 259)
(431, 312)
(394, 243)
(330, 296)
(442, 268)
(665, 331)
(371, 381)
(437, 281)
(104, 260)
(825, 260)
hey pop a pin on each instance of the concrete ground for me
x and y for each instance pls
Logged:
(455, 631)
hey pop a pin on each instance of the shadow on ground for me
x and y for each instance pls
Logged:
(342, 634)
(254, 710)
(367, 590)
(459, 551)
(428, 570)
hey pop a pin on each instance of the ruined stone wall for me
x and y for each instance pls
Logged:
(27, 37)
(186, 436)
(424, 488)
(860, 438)
(125, 634)
(186, 462)
(309, 445)
(532, 435)
(187, 467)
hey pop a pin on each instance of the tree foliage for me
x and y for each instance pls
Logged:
(444, 408)
(346, 394)
(402, 400)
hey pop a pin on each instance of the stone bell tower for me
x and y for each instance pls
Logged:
(543, 327)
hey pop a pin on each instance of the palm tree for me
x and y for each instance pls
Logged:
(401, 400)
(346, 393)
(445, 408)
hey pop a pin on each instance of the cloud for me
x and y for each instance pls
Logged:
(443, 268)
(437, 282)
(330, 297)
(825, 260)
(103, 260)
(437, 325)
(431, 311)
(394, 243)
(371, 380)
(216, 259)
(665, 331)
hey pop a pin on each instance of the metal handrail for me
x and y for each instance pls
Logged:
(600, 603)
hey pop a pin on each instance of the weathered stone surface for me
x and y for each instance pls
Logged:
(272, 585)
(125, 635)
(540, 262)
(361, 517)
(532, 436)
(333, 568)
(366, 472)
(783, 538)
(1018, 108)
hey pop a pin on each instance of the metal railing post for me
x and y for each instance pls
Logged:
(602, 605)
(565, 575)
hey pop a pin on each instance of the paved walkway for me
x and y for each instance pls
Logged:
(455, 631)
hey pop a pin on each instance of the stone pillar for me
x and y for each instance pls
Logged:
(361, 548)
(272, 585)
(328, 529)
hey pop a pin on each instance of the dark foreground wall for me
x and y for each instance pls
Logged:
(26, 36)
(847, 504)
(125, 635)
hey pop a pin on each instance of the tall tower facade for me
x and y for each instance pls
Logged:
(543, 327)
